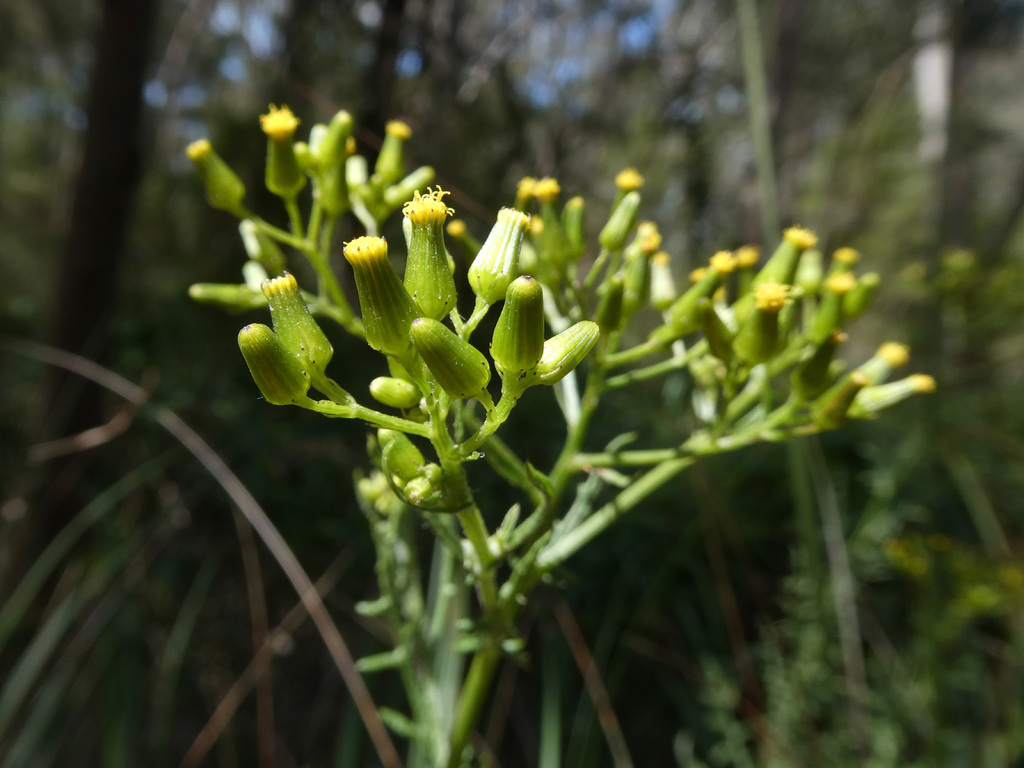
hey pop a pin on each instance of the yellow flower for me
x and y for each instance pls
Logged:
(279, 124)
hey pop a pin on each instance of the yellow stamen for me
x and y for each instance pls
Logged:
(723, 262)
(526, 187)
(747, 256)
(197, 150)
(547, 189)
(456, 228)
(365, 249)
(842, 283)
(428, 208)
(800, 237)
(922, 382)
(770, 296)
(698, 274)
(846, 256)
(279, 124)
(894, 354)
(399, 129)
(629, 179)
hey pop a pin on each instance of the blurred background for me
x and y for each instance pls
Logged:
(854, 600)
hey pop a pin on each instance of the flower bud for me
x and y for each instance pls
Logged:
(262, 248)
(758, 336)
(609, 311)
(562, 353)
(304, 155)
(811, 377)
(283, 176)
(403, 191)
(720, 338)
(356, 172)
(829, 314)
(809, 272)
(333, 150)
(391, 162)
(781, 267)
(889, 356)
(572, 223)
(224, 190)
(470, 245)
(663, 285)
(399, 457)
(293, 323)
(233, 298)
(277, 371)
(524, 192)
(518, 340)
(332, 191)
(620, 223)
(395, 393)
(497, 263)
(684, 315)
(843, 260)
(870, 401)
(637, 271)
(460, 369)
(856, 301)
(829, 411)
(428, 277)
(386, 306)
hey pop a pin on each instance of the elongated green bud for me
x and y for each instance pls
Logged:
(758, 336)
(747, 257)
(809, 272)
(428, 276)
(684, 315)
(497, 263)
(387, 308)
(857, 300)
(304, 155)
(262, 248)
(663, 285)
(283, 176)
(460, 369)
(277, 371)
(233, 298)
(609, 311)
(518, 340)
(781, 267)
(391, 160)
(843, 260)
(812, 376)
(829, 314)
(224, 190)
(396, 393)
(889, 356)
(719, 337)
(400, 458)
(356, 172)
(620, 223)
(332, 191)
(637, 269)
(829, 411)
(572, 223)
(403, 191)
(333, 149)
(293, 323)
(871, 401)
(562, 353)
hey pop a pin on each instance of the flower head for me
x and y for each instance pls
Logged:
(279, 124)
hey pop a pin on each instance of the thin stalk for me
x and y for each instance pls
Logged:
(471, 701)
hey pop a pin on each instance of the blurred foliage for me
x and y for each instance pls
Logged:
(715, 618)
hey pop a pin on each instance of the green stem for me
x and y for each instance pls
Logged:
(295, 219)
(370, 416)
(633, 354)
(471, 701)
(674, 363)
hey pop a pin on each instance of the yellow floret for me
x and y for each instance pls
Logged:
(278, 286)
(649, 237)
(526, 187)
(661, 258)
(842, 283)
(723, 262)
(629, 179)
(801, 238)
(698, 274)
(770, 296)
(894, 354)
(428, 208)
(365, 249)
(747, 256)
(197, 150)
(846, 256)
(547, 189)
(399, 129)
(456, 228)
(536, 226)
(279, 124)
(922, 382)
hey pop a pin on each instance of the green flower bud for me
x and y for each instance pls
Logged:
(812, 376)
(809, 271)
(829, 314)
(395, 393)
(428, 276)
(758, 336)
(637, 268)
(333, 148)
(572, 223)
(356, 172)
(283, 176)
(843, 260)
(781, 267)
(403, 191)
(747, 257)
(400, 458)
(889, 356)
(233, 298)
(684, 315)
(262, 248)
(829, 411)
(293, 323)
(609, 311)
(391, 162)
(278, 372)
(872, 400)
(304, 157)
(497, 263)
(388, 309)
(663, 285)
(552, 242)
(620, 223)
(518, 340)
(224, 190)
(332, 191)
(719, 337)
(254, 274)
(460, 369)
(562, 353)
(856, 301)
